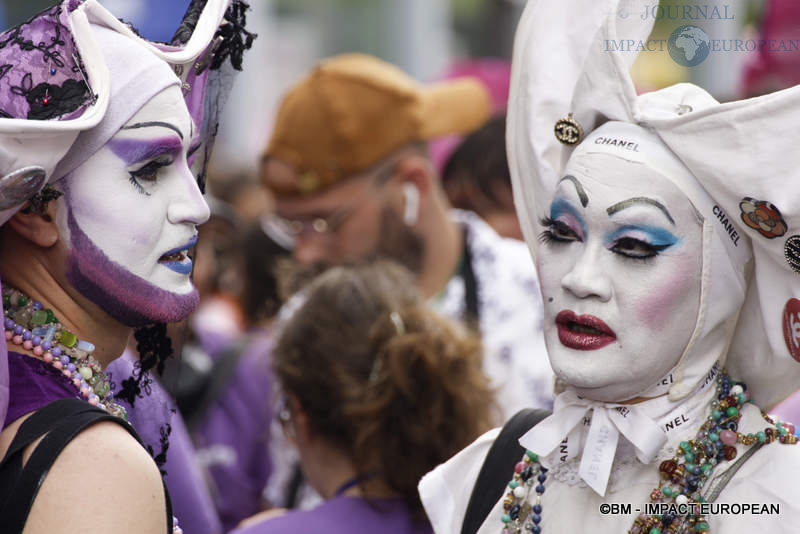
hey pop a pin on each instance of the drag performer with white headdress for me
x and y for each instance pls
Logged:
(666, 231)
(99, 208)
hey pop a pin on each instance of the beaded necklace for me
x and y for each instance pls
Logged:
(35, 328)
(683, 476)
(28, 324)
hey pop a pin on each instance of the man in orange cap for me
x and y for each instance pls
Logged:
(349, 166)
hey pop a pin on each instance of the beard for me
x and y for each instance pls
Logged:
(398, 242)
(127, 298)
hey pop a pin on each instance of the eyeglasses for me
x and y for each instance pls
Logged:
(291, 229)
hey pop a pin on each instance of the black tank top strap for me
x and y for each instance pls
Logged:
(59, 422)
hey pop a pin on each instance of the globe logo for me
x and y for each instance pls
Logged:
(688, 46)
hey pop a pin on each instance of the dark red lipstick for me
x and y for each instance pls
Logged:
(583, 332)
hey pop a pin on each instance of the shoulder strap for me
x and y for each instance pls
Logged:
(61, 421)
(215, 384)
(497, 468)
(472, 311)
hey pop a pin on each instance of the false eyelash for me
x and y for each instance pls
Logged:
(654, 250)
(150, 168)
(137, 185)
(547, 235)
(147, 170)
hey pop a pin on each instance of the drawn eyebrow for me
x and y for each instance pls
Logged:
(154, 123)
(619, 206)
(582, 196)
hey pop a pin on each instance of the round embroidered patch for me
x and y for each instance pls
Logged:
(762, 216)
(791, 327)
(791, 250)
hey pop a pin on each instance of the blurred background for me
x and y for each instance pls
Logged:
(428, 38)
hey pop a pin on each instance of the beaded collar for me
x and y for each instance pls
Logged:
(682, 476)
(36, 329)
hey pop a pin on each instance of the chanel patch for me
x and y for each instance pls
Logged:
(791, 327)
(791, 250)
(762, 216)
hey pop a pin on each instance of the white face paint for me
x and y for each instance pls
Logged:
(132, 212)
(620, 274)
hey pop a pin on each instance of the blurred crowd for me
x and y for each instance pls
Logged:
(368, 307)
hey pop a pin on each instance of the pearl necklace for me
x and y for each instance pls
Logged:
(683, 476)
(28, 324)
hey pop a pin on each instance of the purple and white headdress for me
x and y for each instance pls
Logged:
(72, 75)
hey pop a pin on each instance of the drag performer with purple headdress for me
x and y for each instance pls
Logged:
(100, 132)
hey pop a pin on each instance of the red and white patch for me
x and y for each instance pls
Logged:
(791, 327)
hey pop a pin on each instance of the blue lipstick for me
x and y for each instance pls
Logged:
(182, 264)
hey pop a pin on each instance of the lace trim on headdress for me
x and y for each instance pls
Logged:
(236, 39)
(41, 71)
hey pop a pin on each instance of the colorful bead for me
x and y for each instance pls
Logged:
(728, 437)
(68, 339)
(38, 330)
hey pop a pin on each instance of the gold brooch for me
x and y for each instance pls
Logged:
(568, 130)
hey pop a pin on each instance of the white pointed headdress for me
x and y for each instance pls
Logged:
(741, 154)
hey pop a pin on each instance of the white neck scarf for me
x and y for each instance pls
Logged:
(559, 437)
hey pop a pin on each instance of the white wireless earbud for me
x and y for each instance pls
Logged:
(411, 211)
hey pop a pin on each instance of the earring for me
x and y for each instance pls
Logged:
(40, 200)
(411, 211)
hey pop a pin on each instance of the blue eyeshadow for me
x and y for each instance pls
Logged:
(559, 206)
(657, 236)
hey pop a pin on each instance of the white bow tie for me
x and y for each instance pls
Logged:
(608, 422)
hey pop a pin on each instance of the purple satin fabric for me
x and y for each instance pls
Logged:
(345, 515)
(151, 414)
(33, 384)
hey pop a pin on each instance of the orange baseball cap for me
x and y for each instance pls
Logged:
(353, 110)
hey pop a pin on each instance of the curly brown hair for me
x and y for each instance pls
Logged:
(383, 377)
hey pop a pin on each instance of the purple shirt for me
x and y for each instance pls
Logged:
(33, 384)
(233, 438)
(345, 515)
